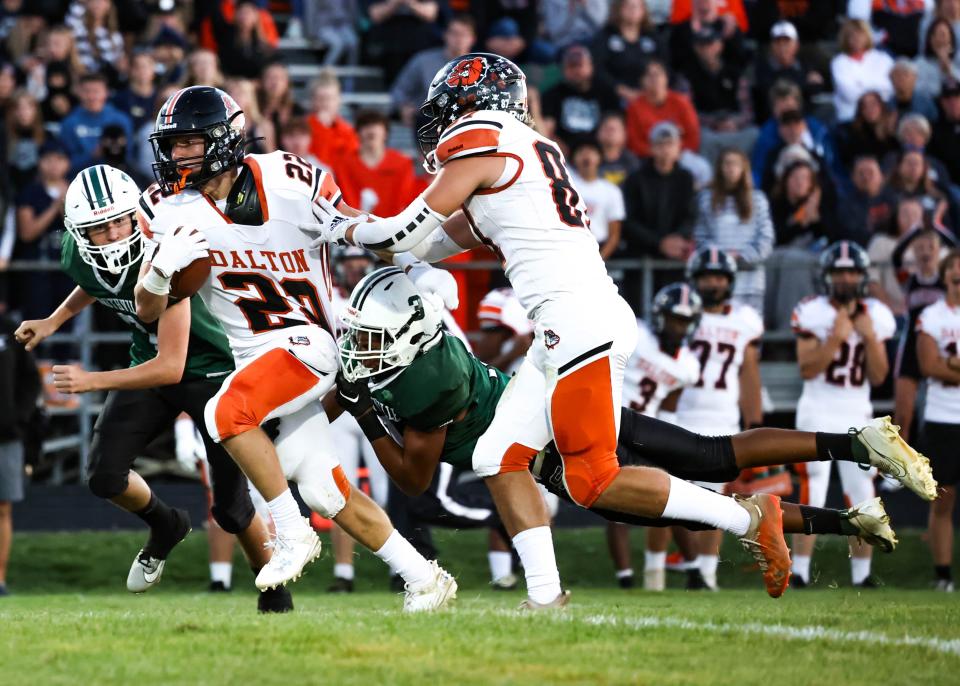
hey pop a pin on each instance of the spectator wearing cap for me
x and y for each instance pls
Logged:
(945, 139)
(572, 109)
(869, 206)
(568, 23)
(333, 137)
(871, 132)
(99, 44)
(80, 131)
(509, 28)
(622, 47)
(410, 87)
(137, 98)
(735, 217)
(374, 178)
(660, 200)
(657, 103)
(603, 199)
(896, 22)
(705, 14)
(794, 135)
(721, 96)
(906, 98)
(398, 29)
(39, 221)
(858, 69)
(617, 162)
(785, 96)
(169, 47)
(782, 63)
(936, 64)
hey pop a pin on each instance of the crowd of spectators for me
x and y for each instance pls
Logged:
(770, 128)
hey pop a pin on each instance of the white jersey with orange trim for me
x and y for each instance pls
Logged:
(263, 278)
(711, 406)
(652, 374)
(942, 323)
(839, 397)
(532, 217)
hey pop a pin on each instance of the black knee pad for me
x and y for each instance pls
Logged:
(684, 454)
(235, 518)
(108, 485)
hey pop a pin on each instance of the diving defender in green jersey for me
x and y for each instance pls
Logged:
(176, 365)
(420, 398)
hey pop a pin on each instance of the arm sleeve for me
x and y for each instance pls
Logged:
(401, 233)
(434, 248)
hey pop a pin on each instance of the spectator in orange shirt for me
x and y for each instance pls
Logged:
(657, 103)
(376, 178)
(333, 137)
(683, 9)
(217, 28)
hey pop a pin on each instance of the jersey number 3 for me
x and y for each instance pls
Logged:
(565, 196)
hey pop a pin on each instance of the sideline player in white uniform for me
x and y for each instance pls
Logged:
(516, 197)
(273, 298)
(938, 338)
(840, 349)
(350, 265)
(506, 332)
(659, 369)
(727, 344)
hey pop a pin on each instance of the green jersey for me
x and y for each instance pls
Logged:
(435, 389)
(208, 353)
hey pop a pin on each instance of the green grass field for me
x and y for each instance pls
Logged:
(71, 621)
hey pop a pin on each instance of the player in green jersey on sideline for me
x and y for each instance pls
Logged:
(421, 398)
(176, 365)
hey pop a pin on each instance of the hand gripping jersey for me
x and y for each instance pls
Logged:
(711, 406)
(942, 323)
(263, 278)
(532, 217)
(839, 397)
(208, 353)
(652, 374)
(435, 389)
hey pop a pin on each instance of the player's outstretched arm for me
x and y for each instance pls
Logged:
(177, 250)
(33, 331)
(173, 335)
(751, 404)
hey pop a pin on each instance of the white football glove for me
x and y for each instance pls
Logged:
(178, 249)
(438, 282)
(331, 225)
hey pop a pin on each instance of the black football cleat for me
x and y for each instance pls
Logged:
(695, 581)
(218, 587)
(275, 600)
(340, 585)
(797, 581)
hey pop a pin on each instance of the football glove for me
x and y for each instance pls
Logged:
(178, 249)
(353, 397)
(437, 282)
(331, 226)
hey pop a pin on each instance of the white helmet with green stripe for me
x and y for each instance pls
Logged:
(387, 323)
(101, 194)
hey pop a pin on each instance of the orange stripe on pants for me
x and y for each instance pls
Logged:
(584, 427)
(517, 458)
(271, 381)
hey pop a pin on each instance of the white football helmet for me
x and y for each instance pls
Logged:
(388, 322)
(101, 194)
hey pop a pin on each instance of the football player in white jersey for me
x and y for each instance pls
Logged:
(350, 265)
(272, 295)
(510, 189)
(727, 344)
(938, 338)
(841, 353)
(506, 332)
(659, 369)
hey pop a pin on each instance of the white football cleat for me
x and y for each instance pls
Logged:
(145, 573)
(655, 579)
(439, 591)
(873, 524)
(889, 453)
(291, 553)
